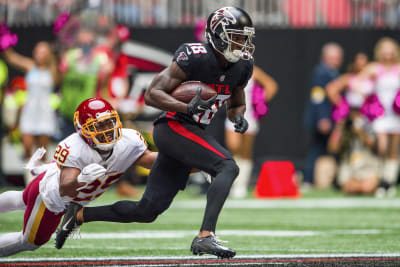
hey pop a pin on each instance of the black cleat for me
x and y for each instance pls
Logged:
(211, 245)
(68, 224)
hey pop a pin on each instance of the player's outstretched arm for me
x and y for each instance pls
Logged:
(147, 159)
(157, 95)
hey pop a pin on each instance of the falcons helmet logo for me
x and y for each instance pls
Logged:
(222, 16)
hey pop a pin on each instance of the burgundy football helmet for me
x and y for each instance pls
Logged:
(98, 123)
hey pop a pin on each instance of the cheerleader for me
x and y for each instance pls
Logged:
(385, 73)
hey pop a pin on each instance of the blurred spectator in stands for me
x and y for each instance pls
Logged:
(3, 11)
(241, 145)
(391, 13)
(385, 72)
(369, 13)
(17, 11)
(66, 29)
(127, 11)
(354, 141)
(336, 13)
(317, 119)
(3, 81)
(14, 97)
(301, 13)
(116, 87)
(81, 68)
(38, 119)
(275, 15)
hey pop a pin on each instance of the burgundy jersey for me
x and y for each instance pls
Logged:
(199, 62)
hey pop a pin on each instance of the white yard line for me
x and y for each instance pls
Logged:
(310, 203)
(333, 203)
(269, 256)
(161, 234)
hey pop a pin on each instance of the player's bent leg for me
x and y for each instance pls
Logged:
(12, 243)
(11, 200)
(216, 196)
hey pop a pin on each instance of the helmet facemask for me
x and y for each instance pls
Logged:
(239, 43)
(103, 131)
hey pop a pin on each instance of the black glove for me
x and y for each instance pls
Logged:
(198, 105)
(241, 124)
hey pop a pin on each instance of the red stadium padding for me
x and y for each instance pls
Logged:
(277, 180)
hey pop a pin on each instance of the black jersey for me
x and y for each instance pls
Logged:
(200, 63)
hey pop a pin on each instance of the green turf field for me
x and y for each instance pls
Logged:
(321, 222)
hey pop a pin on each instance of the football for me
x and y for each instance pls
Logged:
(187, 90)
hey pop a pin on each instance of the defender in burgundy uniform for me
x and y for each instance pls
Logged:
(225, 62)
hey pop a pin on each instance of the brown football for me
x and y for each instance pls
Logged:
(187, 90)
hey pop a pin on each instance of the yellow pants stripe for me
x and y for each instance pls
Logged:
(36, 223)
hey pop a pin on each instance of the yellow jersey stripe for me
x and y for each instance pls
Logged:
(36, 223)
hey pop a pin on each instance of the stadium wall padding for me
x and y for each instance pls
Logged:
(287, 55)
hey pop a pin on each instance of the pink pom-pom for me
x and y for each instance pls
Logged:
(396, 103)
(7, 38)
(60, 22)
(372, 107)
(199, 29)
(340, 111)
(258, 98)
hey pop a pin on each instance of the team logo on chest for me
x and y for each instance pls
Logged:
(182, 57)
(222, 78)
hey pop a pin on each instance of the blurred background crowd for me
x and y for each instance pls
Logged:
(331, 69)
(272, 13)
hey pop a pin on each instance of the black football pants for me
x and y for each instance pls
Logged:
(182, 146)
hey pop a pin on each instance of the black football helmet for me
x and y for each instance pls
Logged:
(231, 27)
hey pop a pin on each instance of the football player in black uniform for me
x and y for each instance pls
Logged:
(225, 63)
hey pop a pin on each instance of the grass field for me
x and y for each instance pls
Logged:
(319, 223)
